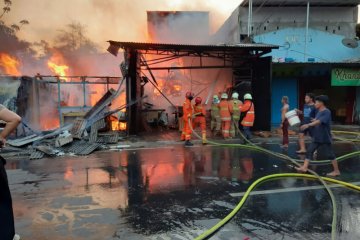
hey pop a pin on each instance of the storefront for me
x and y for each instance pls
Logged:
(340, 81)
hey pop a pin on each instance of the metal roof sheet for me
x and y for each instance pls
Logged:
(277, 3)
(170, 46)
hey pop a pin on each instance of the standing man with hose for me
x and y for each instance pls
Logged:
(321, 127)
(225, 116)
(187, 119)
(248, 113)
(7, 229)
(234, 107)
(215, 116)
(200, 114)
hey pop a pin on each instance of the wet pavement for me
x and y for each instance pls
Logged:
(174, 192)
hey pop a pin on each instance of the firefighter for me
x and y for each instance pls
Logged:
(248, 111)
(187, 119)
(225, 115)
(200, 113)
(215, 116)
(234, 107)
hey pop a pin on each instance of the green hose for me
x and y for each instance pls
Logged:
(354, 140)
(208, 233)
(252, 146)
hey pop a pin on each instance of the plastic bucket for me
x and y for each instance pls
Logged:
(293, 118)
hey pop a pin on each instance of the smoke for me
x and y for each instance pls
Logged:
(178, 27)
(106, 20)
(183, 28)
(82, 43)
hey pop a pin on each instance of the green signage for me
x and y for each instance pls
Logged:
(345, 77)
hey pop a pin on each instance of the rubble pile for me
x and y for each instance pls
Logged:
(82, 137)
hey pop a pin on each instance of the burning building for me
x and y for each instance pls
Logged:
(230, 62)
(179, 57)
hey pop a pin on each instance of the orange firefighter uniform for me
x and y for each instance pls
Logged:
(249, 109)
(225, 117)
(187, 117)
(200, 113)
(235, 108)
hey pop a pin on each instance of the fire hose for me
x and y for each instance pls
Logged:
(252, 146)
(354, 140)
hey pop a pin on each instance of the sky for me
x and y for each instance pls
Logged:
(122, 20)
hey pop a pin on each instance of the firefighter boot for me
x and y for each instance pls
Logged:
(188, 143)
(204, 141)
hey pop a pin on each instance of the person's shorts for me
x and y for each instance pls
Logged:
(306, 132)
(325, 151)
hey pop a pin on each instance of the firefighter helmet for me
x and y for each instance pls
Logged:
(216, 97)
(198, 100)
(247, 96)
(224, 96)
(235, 95)
(189, 95)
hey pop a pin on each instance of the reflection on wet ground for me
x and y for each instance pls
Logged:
(176, 193)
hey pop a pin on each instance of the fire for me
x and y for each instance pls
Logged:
(58, 66)
(116, 125)
(9, 64)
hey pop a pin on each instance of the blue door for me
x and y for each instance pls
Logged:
(282, 87)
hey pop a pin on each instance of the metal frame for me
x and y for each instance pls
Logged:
(232, 56)
(75, 80)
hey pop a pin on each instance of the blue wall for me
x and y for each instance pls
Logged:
(282, 87)
(323, 46)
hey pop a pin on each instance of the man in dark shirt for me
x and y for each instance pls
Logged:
(7, 229)
(321, 135)
(309, 113)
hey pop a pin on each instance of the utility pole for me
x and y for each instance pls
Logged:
(307, 30)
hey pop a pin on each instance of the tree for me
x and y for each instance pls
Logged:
(7, 8)
(74, 38)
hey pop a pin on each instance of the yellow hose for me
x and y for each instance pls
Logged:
(208, 233)
(254, 147)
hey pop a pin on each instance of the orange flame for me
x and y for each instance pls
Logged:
(57, 65)
(118, 126)
(9, 64)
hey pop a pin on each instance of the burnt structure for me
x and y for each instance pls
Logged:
(251, 71)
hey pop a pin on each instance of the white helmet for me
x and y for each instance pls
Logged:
(216, 97)
(224, 96)
(247, 96)
(235, 95)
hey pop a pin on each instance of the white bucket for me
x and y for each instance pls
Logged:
(293, 118)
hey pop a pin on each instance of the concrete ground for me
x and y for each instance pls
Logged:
(161, 190)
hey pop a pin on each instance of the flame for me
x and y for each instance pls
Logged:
(58, 66)
(118, 126)
(177, 87)
(51, 122)
(9, 64)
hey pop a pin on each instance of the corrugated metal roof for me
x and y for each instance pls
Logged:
(276, 3)
(170, 46)
(357, 64)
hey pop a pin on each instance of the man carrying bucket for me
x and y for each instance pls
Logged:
(309, 113)
(284, 121)
(321, 135)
